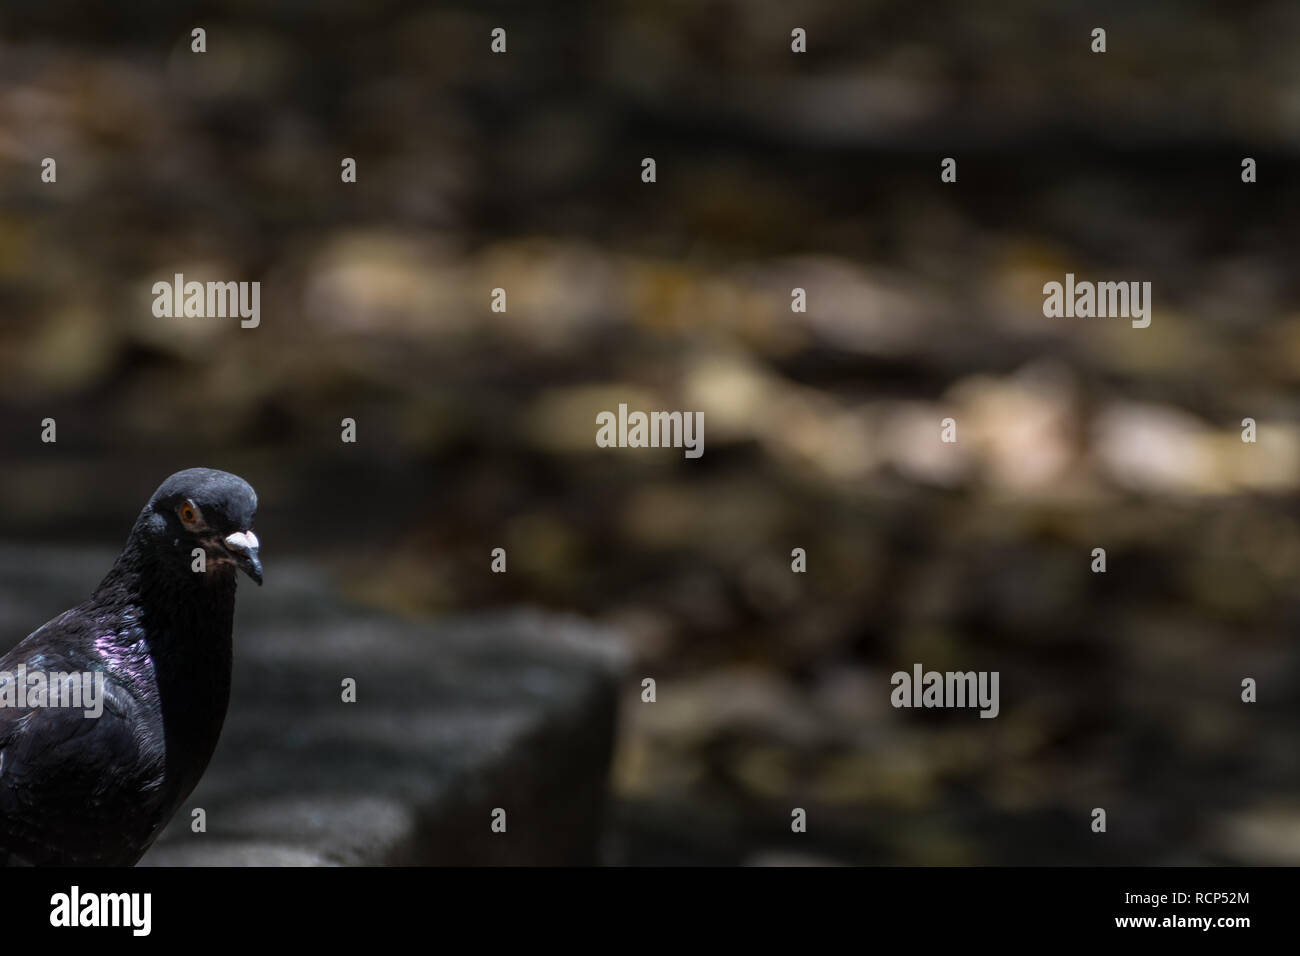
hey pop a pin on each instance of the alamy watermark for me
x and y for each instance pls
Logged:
(651, 430)
(208, 300)
(83, 690)
(77, 909)
(1103, 300)
(946, 689)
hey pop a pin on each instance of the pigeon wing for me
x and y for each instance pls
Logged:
(65, 776)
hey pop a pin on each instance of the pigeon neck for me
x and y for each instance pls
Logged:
(164, 591)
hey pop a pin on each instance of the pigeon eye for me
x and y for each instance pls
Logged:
(189, 514)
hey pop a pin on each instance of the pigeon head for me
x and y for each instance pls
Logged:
(208, 509)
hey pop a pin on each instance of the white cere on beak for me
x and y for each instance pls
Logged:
(242, 541)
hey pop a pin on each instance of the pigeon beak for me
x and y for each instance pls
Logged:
(243, 546)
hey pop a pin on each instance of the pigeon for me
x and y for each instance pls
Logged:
(84, 789)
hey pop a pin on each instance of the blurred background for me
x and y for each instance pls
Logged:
(476, 429)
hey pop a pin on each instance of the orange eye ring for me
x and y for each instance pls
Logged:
(188, 513)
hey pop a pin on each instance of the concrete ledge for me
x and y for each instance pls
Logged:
(453, 719)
